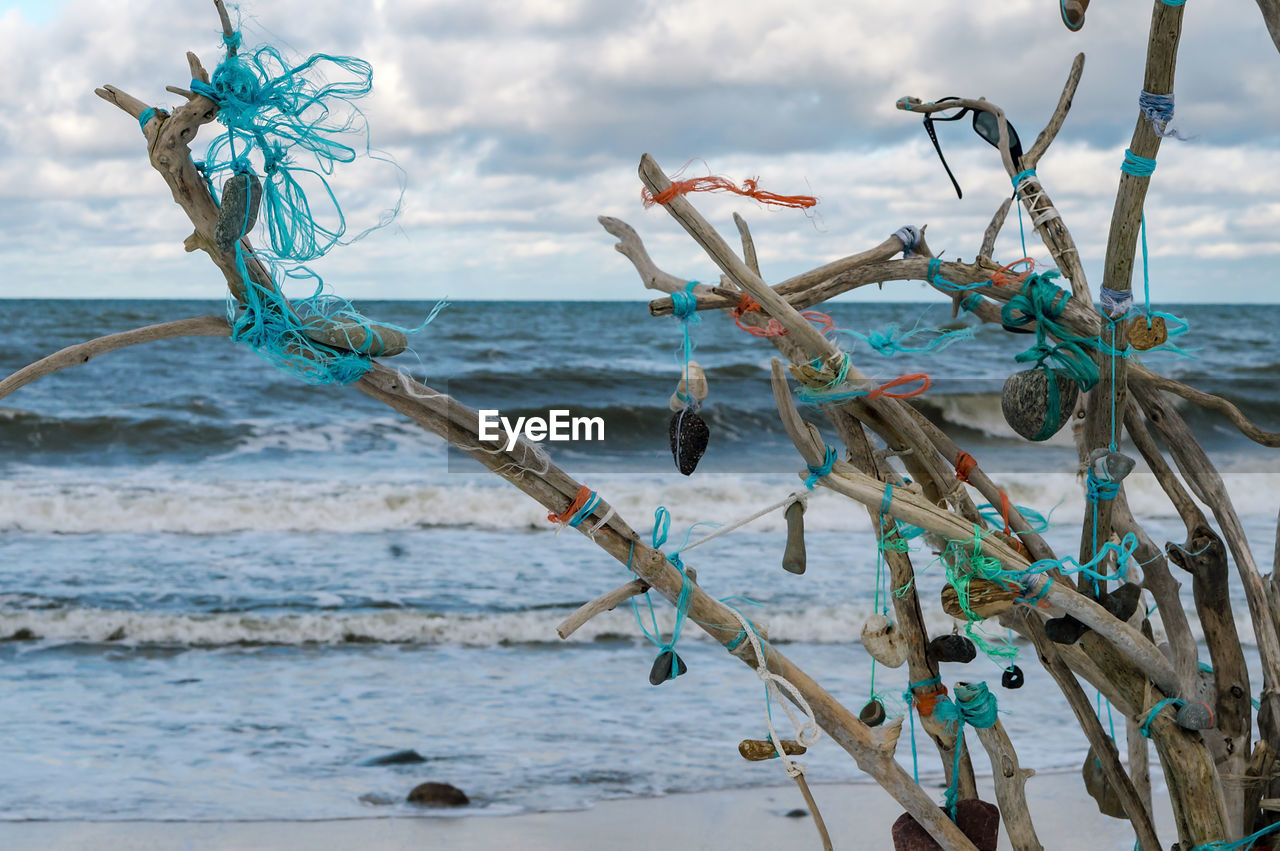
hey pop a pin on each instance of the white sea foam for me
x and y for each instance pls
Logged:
(76, 507)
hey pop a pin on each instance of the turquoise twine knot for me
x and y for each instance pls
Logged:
(661, 527)
(1145, 728)
(1239, 844)
(593, 500)
(685, 307)
(685, 304)
(1136, 165)
(979, 711)
(1098, 490)
(1173, 3)
(971, 302)
(232, 41)
(146, 115)
(821, 470)
(932, 276)
(889, 341)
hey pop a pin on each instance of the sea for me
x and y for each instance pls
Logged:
(224, 594)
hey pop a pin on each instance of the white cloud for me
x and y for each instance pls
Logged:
(518, 122)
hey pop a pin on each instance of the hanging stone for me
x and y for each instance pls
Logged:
(661, 670)
(1143, 336)
(1064, 630)
(793, 554)
(241, 195)
(1024, 400)
(1012, 677)
(1123, 601)
(952, 648)
(758, 750)
(1100, 788)
(987, 599)
(689, 436)
(1195, 716)
(1109, 466)
(872, 714)
(697, 379)
(978, 820)
(881, 639)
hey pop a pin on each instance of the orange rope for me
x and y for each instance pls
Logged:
(965, 464)
(1007, 276)
(926, 703)
(882, 390)
(584, 493)
(774, 328)
(750, 188)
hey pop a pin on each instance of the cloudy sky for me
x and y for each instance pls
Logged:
(517, 122)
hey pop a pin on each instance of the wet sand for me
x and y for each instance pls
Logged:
(858, 816)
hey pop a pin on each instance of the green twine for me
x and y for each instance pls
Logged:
(963, 561)
(909, 696)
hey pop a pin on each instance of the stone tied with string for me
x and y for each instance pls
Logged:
(688, 432)
(238, 213)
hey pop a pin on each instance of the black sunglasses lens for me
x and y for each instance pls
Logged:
(988, 127)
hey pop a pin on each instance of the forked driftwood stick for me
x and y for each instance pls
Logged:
(604, 603)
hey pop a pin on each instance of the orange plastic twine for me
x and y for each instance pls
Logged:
(926, 703)
(901, 380)
(965, 464)
(774, 328)
(750, 188)
(1006, 276)
(584, 493)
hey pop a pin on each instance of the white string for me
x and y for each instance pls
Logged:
(1038, 217)
(591, 533)
(724, 530)
(808, 732)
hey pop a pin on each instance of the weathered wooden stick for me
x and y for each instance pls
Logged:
(604, 603)
(869, 748)
(1206, 483)
(1103, 746)
(82, 353)
(1010, 782)
(748, 245)
(815, 812)
(1271, 16)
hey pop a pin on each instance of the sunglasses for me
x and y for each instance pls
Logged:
(985, 124)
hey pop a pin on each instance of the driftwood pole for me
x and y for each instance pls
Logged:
(1218, 776)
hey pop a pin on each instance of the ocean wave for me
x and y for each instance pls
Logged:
(220, 507)
(813, 624)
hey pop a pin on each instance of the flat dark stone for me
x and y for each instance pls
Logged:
(952, 648)
(241, 195)
(396, 758)
(438, 795)
(689, 438)
(1064, 630)
(1123, 601)
(872, 714)
(1012, 677)
(976, 819)
(1024, 401)
(661, 670)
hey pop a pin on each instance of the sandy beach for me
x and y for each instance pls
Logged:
(858, 816)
